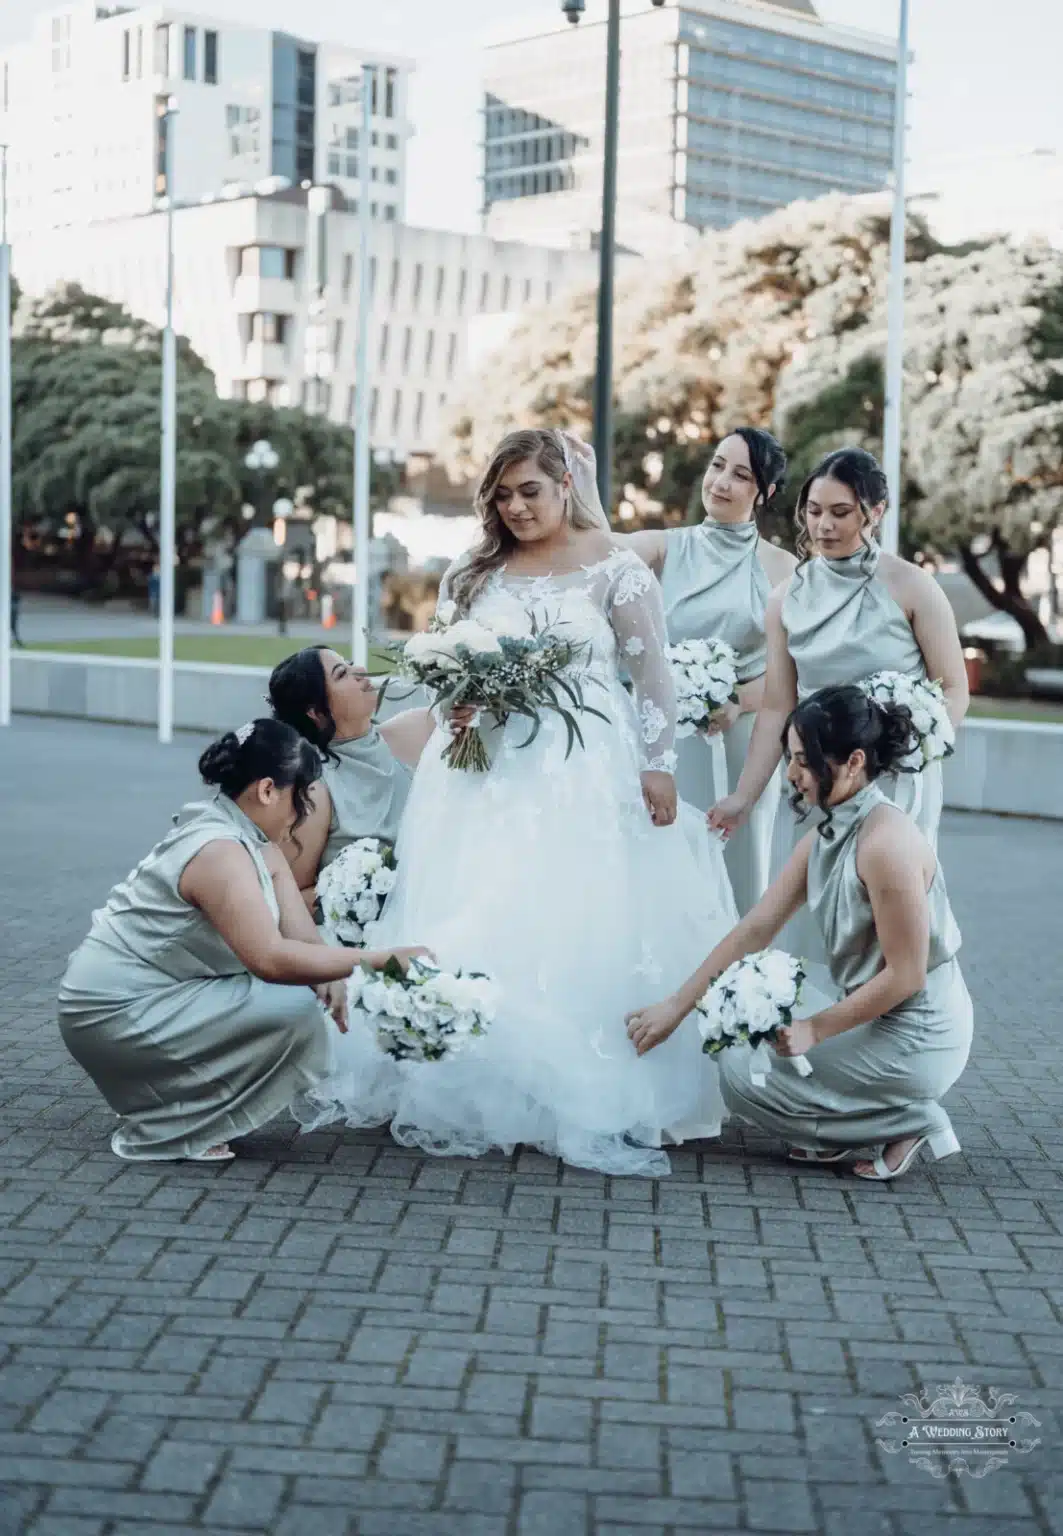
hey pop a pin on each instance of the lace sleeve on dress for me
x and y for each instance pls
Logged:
(443, 611)
(636, 613)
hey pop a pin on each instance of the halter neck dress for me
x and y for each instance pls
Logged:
(880, 1081)
(715, 588)
(187, 1047)
(368, 789)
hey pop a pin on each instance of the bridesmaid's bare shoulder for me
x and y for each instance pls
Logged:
(908, 584)
(778, 563)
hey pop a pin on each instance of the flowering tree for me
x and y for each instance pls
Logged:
(782, 322)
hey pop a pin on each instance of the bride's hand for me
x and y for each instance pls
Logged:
(659, 793)
(333, 996)
(461, 718)
(378, 958)
(647, 1027)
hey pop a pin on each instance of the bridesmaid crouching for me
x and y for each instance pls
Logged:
(367, 768)
(899, 1038)
(189, 1004)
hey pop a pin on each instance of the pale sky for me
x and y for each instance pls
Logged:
(986, 78)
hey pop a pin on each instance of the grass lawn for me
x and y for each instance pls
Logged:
(234, 650)
(1044, 711)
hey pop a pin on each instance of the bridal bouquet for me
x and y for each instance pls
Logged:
(424, 1013)
(925, 701)
(749, 1002)
(705, 673)
(353, 888)
(464, 663)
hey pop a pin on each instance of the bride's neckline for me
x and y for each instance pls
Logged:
(505, 574)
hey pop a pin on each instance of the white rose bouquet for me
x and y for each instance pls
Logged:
(705, 673)
(528, 669)
(925, 702)
(749, 1002)
(425, 1013)
(353, 888)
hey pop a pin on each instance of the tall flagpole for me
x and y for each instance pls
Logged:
(5, 451)
(168, 465)
(361, 512)
(892, 427)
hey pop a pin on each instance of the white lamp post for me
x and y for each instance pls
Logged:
(894, 416)
(168, 466)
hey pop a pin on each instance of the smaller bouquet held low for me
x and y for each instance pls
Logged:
(424, 1013)
(353, 888)
(748, 1003)
(529, 669)
(705, 673)
(935, 734)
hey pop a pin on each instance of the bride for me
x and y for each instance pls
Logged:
(576, 881)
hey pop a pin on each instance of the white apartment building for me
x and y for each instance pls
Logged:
(728, 109)
(266, 290)
(80, 103)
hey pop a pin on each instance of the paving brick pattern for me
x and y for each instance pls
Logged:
(337, 1337)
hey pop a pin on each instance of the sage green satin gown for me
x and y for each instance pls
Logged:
(187, 1047)
(880, 1081)
(715, 588)
(842, 624)
(368, 789)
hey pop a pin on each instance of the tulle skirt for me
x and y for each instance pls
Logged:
(547, 873)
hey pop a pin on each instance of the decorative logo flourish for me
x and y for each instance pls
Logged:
(956, 1428)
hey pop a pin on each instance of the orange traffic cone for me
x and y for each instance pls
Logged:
(328, 615)
(217, 609)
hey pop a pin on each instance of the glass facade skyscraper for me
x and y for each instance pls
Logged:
(729, 108)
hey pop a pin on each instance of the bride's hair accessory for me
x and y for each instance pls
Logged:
(244, 733)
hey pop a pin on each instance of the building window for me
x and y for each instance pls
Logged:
(384, 338)
(348, 274)
(396, 273)
(189, 53)
(140, 53)
(162, 128)
(390, 213)
(392, 141)
(127, 55)
(337, 338)
(270, 329)
(372, 276)
(345, 92)
(418, 283)
(270, 261)
(390, 77)
(485, 287)
(506, 285)
(407, 348)
(396, 412)
(441, 283)
(429, 350)
(527, 290)
(60, 44)
(418, 415)
(374, 409)
(463, 286)
(452, 353)
(243, 125)
(210, 58)
(162, 49)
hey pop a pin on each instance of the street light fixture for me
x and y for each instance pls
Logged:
(603, 379)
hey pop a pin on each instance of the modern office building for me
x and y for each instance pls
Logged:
(80, 104)
(728, 109)
(267, 292)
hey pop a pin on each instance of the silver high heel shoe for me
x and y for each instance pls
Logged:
(941, 1144)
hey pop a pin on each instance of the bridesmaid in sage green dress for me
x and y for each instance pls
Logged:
(883, 1056)
(367, 768)
(191, 1004)
(717, 577)
(849, 609)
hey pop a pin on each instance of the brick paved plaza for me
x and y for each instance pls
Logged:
(336, 1337)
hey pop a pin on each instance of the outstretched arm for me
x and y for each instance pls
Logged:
(647, 1027)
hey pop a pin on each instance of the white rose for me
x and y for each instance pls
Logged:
(447, 612)
(432, 650)
(375, 996)
(383, 881)
(474, 637)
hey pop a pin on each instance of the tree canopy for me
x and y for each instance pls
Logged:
(782, 323)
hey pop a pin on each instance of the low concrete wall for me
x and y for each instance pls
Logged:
(1006, 766)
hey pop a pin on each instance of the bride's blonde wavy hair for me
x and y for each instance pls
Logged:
(551, 453)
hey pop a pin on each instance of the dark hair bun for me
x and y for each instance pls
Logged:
(220, 761)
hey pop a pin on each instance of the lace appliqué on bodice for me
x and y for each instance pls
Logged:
(614, 608)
